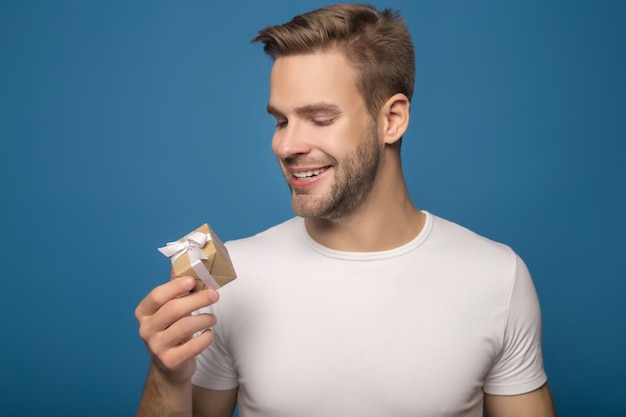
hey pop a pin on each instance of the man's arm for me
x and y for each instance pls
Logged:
(537, 403)
(163, 397)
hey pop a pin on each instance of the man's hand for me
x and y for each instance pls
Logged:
(167, 327)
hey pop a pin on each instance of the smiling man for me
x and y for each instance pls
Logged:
(325, 140)
(362, 304)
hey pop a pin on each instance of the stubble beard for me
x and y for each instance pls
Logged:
(354, 179)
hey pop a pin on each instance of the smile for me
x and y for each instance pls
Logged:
(308, 174)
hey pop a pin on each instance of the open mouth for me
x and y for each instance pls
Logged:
(308, 174)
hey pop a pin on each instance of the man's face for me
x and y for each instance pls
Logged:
(325, 140)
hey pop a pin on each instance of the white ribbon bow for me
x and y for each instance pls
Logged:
(192, 244)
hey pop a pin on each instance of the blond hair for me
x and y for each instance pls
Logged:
(377, 44)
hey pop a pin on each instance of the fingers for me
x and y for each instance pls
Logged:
(182, 330)
(178, 343)
(176, 356)
(167, 326)
(166, 304)
(162, 294)
(165, 318)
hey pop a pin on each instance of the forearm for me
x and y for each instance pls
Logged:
(164, 398)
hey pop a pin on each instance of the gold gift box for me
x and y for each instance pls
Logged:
(218, 262)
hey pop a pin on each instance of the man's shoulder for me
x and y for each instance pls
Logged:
(455, 247)
(456, 237)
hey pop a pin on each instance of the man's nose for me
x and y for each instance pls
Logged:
(291, 140)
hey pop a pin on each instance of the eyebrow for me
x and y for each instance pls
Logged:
(307, 109)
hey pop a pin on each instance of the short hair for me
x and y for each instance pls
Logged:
(377, 44)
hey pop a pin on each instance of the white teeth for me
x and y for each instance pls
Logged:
(307, 174)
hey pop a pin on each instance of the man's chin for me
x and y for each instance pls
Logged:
(303, 211)
(314, 212)
(304, 207)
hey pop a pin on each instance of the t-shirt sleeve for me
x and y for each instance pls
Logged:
(518, 369)
(215, 369)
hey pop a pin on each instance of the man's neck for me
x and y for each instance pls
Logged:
(373, 228)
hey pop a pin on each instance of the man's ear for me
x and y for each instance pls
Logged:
(394, 118)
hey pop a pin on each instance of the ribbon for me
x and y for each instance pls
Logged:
(192, 244)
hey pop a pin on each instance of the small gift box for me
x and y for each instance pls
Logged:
(202, 255)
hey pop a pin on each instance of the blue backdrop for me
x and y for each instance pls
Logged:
(125, 124)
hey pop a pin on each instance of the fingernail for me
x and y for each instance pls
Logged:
(189, 283)
(213, 295)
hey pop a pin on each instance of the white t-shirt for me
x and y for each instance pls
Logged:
(420, 330)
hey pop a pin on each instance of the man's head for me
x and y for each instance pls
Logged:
(339, 90)
(327, 144)
(376, 44)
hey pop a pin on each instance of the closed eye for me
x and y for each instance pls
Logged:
(323, 122)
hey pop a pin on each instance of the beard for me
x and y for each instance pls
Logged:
(354, 179)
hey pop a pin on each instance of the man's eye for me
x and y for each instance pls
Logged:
(280, 124)
(323, 122)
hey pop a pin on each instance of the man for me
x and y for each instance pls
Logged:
(362, 305)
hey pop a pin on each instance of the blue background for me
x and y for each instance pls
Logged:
(125, 124)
